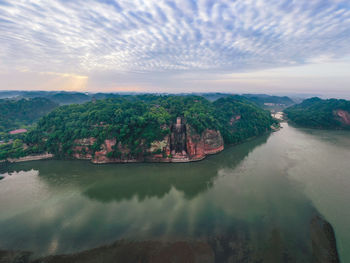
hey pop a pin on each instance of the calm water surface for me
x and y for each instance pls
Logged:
(274, 182)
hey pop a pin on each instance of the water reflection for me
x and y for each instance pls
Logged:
(320, 163)
(116, 182)
(243, 197)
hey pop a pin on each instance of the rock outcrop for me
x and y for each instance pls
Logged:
(183, 144)
(324, 245)
(343, 116)
(82, 149)
(199, 146)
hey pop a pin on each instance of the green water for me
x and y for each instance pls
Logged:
(277, 181)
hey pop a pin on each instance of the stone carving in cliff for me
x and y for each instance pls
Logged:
(178, 139)
(82, 150)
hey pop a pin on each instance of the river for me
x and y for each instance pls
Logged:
(276, 182)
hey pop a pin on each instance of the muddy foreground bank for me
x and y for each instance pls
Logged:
(321, 248)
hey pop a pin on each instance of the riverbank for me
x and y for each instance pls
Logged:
(196, 152)
(207, 151)
(31, 158)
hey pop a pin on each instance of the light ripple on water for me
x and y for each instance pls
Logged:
(276, 181)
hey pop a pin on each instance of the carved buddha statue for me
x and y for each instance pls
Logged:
(178, 137)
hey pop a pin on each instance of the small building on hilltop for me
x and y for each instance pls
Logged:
(18, 131)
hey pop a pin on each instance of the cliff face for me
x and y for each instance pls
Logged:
(83, 150)
(183, 144)
(199, 146)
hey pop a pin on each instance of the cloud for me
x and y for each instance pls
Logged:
(89, 37)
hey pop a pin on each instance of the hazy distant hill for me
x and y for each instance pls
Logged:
(20, 94)
(318, 113)
(101, 95)
(61, 97)
(263, 99)
(69, 97)
(269, 102)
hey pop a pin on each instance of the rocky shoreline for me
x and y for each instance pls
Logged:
(182, 145)
(31, 158)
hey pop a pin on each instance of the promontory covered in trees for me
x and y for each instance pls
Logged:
(143, 128)
(321, 114)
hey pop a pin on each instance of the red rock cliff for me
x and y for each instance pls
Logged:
(183, 145)
(199, 146)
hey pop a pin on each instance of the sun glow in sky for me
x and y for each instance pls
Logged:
(176, 46)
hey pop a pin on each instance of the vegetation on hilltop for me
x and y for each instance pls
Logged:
(137, 121)
(318, 113)
(240, 119)
(18, 113)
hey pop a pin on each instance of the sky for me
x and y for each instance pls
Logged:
(237, 46)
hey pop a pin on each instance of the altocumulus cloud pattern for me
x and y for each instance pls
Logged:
(170, 36)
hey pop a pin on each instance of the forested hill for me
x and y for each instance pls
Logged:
(17, 113)
(268, 102)
(136, 121)
(322, 114)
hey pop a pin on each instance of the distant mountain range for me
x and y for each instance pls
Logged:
(63, 97)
